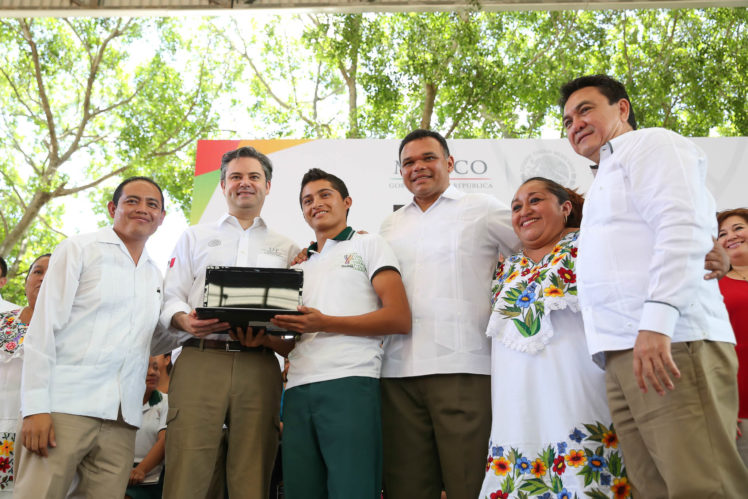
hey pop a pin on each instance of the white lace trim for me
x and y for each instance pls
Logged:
(503, 328)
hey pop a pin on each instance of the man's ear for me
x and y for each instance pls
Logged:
(110, 207)
(624, 109)
(450, 164)
(267, 187)
(3, 281)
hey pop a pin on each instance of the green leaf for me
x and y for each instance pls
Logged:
(523, 328)
(556, 484)
(534, 486)
(614, 464)
(596, 494)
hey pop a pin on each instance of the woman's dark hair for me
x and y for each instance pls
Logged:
(736, 212)
(564, 194)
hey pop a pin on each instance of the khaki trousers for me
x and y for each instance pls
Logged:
(100, 450)
(680, 445)
(207, 389)
(435, 431)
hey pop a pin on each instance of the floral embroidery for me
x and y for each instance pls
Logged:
(525, 292)
(589, 462)
(576, 458)
(6, 459)
(12, 331)
(621, 487)
(610, 439)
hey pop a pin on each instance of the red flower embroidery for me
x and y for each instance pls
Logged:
(499, 495)
(559, 465)
(574, 252)
(567, 275)
(4, 464)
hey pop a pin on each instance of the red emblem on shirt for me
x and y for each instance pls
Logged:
(171, 262)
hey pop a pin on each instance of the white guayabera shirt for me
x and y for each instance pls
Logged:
(86, 349)
(647, 225)
(447, 255)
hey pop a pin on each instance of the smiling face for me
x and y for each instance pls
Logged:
(591, 121)
(34, 279)
(537, 216)
(245, 187)
(138, 212)
(324, 207)
(733, 235)
(425, 170)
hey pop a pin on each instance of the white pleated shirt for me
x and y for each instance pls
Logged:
(86, 349)
(647, 225)
(447, 256)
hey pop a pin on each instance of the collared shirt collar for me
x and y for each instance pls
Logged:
(451, 192)
(344, 235)
(155, 398)
(228, 218)
(107, 235)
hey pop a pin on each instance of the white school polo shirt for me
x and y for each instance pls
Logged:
(337, 281)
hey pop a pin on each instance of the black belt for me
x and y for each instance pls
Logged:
(227, 346)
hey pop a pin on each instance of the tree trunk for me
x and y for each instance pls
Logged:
(428, 105)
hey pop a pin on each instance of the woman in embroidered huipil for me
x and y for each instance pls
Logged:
(551, 434)
(13, 326)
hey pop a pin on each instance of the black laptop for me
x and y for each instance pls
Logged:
(250, 296)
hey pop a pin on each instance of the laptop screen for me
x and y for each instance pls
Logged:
(253, 287)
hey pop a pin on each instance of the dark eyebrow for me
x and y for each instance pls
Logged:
(576, 108)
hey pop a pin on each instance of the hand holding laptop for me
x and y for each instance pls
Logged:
(198, 327)
(311, 320)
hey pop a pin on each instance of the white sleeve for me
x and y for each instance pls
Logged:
(498, 224)
(178, 281)
(667, 175)
(164, 412)
(378, 255)
(52, 311)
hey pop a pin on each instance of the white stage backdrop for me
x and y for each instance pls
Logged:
(370, 170)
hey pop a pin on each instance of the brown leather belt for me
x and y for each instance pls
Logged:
(226, 346)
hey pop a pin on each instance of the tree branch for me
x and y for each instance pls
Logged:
(62, 191)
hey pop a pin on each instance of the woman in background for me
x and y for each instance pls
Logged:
(733, 235)
(13, 325)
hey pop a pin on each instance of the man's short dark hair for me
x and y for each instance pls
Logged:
(609, 87)
(121, 186)
(3, 268)
(422, 134)
(247, 152)
(316, 174)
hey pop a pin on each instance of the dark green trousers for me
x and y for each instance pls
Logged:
(332, 440)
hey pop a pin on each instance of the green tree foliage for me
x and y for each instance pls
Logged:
(86, 101)
(83, 101)
(497, 74)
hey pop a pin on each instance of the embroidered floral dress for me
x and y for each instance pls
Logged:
(12, 331)
(551, 435)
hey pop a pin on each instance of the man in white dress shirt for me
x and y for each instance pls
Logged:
(436, 393)
(5, 306)
(215, 380)
(670, 361)
(86, 353)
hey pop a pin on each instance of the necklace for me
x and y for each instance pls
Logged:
(742, 276)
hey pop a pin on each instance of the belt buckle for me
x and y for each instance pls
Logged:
(229, 349)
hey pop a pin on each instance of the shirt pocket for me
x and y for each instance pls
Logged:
(608, 197)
